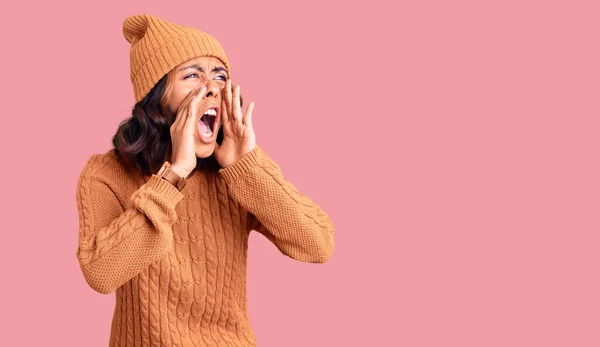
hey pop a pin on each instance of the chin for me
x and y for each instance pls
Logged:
(204, 150)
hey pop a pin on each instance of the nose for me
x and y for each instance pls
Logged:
(212, 89)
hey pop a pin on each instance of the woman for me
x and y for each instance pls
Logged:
(165, 216)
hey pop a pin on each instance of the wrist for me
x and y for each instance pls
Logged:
(174, 175)
(180, 170)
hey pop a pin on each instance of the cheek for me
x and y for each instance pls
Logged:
(178, 94)
(175, 100)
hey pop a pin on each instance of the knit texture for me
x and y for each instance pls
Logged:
(158, 46)
(177, 260)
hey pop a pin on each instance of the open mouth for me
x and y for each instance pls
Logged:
(207, 122)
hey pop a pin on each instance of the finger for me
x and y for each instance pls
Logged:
(228, 96)
(233, 85)
(180, 114)
(187, 107)
(224, 114)
(237, 110)
(195, 99)
(182, 111)
(192, 117)
(248, 116)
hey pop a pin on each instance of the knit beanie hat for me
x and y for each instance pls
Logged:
(158, 46)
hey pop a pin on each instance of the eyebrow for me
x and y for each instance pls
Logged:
(199, 68)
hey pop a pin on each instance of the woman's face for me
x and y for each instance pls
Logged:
(189, 76)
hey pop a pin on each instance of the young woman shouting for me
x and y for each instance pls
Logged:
(165, 215)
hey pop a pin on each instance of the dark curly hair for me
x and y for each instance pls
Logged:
(143, 141)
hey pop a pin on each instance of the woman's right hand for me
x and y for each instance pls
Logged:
(183, 158)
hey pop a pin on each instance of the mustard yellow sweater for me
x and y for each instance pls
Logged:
(177, 260)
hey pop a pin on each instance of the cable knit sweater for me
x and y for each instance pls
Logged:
(177, 260)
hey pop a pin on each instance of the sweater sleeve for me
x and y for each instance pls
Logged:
(297, 226)
(117, 243)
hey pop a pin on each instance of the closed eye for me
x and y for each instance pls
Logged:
(195, 75)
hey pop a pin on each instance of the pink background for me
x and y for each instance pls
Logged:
(453, 143)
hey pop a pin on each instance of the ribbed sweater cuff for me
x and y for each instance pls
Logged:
(242, 166)
(165, 189)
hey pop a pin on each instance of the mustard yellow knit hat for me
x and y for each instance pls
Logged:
(158, 46)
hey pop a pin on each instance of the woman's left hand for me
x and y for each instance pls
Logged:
(238, 134)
